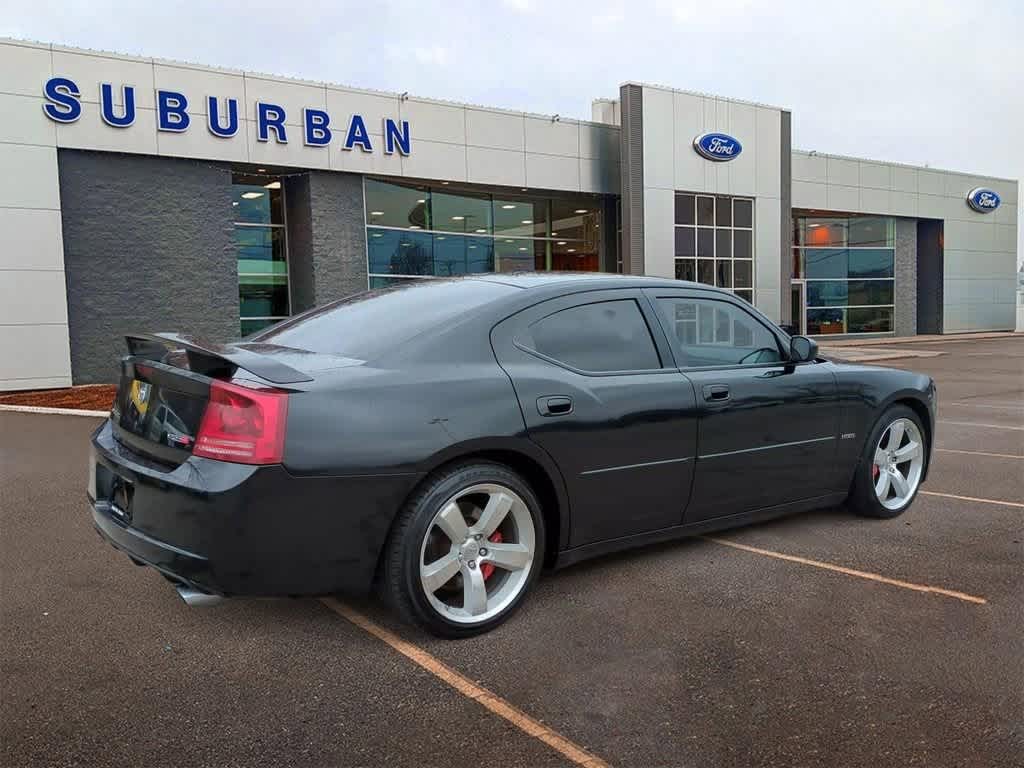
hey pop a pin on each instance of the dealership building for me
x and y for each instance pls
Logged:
(144, 194)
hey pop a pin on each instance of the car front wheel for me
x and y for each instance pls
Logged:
(465, 550)
(890, 471)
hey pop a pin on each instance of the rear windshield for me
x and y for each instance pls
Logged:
(364, 325)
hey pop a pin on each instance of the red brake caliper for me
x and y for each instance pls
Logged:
(874, 471)
(488, 568)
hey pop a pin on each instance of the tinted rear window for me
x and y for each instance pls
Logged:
(600, 337)
(364, 325)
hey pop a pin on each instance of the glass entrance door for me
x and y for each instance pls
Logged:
(798, 299)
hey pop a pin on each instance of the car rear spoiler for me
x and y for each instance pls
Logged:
(210, 358)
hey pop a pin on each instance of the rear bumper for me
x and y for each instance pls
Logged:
(234, 529)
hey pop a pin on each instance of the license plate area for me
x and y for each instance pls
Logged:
(121, 493)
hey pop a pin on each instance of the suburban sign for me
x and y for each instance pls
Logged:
(717, 146)
(63, 105)
(983, 200)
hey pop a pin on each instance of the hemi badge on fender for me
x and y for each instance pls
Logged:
(848, 436)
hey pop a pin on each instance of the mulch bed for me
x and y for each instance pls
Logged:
(89, 397)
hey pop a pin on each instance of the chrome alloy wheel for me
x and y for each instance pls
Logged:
(898, 463)
(477, 554)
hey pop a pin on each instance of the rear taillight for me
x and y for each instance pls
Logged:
(243, 425)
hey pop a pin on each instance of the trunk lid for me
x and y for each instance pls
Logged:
(165, 381)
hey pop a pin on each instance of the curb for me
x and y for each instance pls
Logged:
(54, 411)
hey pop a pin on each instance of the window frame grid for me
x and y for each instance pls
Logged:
(283, 226)
(715, 227)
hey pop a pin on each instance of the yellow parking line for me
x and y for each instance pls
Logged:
(974, 498)
(982, 453)
(494, 703)
(849, 571)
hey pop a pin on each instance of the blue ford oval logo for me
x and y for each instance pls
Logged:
(983, 200)
(717, 146)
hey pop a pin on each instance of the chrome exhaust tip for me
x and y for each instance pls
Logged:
(195, 598)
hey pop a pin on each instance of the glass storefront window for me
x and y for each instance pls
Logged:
(260, 244)
(714, 241)
(416, 230)
(389, 205)
(847, 263)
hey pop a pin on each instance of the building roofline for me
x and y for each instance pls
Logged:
(138, 58)
(815, 153)
(704, 95)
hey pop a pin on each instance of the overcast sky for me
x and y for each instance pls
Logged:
(938, 82)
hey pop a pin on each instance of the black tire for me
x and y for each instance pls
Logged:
(863, 500)
(401, 567)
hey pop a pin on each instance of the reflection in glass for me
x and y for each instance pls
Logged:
(463, 212)
(706, 211)
(263, 295)
(395, 205)
(723, 212)
(825, 321)
(840, 293)
(706, 271)
(401, 252)
(686, 269)
(686, 242)
(743, 274)
(742, 244)
(253, 202)
(705, 243)
(518, 255)
(685, 209)
(522, 217)
(723, 273)
(723, 243)
(840, 263)
(743, 213)
(869, 320)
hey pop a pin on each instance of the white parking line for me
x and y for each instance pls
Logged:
(492, 702)
(849, 571)
(983, 453)
(1015, 406)
(973, 498)
(983, 426)
(53, 411)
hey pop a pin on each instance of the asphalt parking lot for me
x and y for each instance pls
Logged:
(816, 644)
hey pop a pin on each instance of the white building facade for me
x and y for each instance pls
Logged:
(154, 195)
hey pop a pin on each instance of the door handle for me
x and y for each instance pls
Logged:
(558, 405)
(716, 393)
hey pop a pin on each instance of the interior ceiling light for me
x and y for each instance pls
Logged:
(508, 206)
(251, 195)
(522, 249)
(261, 170)
(581, 210)
(554, 234)
(572, 250)
(561, 242)
(421, 200)
(458, 218)
(234, 202)
(377, 234)
(272, 185)
(414, 226)
(440, 237)
(444, 183)
(510, 241)
(376, 213)
(527, 221)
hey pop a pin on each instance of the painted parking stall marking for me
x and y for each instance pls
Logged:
(849, 571)
(982, 453)
(974, 498)
(490, 701)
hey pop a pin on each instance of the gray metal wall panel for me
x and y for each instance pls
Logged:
(930, 269)
(300, 242)
(905, 321)
(786, 218)
(148, 246)
(632, 171)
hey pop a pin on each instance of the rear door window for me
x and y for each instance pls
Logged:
(600, 337)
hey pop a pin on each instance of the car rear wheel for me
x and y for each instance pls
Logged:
(465, 550)
(890, 471)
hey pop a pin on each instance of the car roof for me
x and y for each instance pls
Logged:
(534, 281)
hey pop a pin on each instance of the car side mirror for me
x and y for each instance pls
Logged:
(802, 349)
